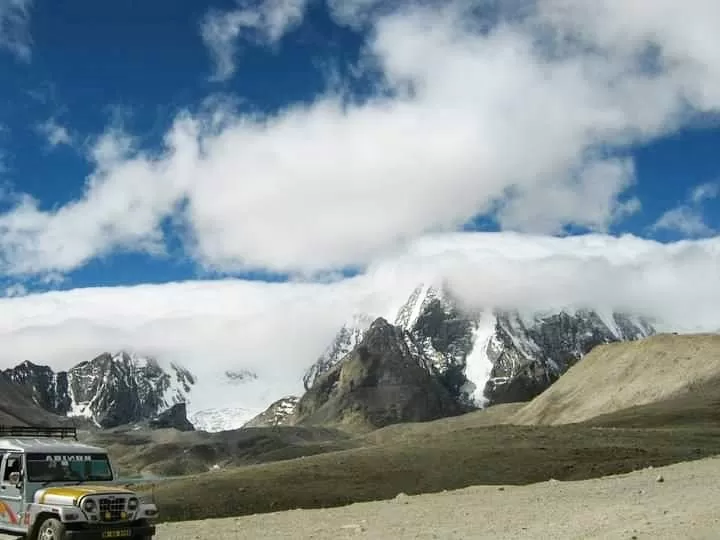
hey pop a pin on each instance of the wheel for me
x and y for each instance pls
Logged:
(51, 529)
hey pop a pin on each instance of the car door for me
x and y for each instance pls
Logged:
(10, 494)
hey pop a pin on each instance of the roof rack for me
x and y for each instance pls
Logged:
(39, 431)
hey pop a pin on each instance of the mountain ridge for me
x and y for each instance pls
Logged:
(496, 346)
(481, 356)
(109, 390)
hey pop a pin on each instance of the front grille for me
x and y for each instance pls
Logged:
(112, 508)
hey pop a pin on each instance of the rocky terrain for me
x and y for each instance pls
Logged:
(280, 413)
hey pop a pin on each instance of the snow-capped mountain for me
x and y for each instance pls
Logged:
(109, 390)
(491, 356)
(481, 356)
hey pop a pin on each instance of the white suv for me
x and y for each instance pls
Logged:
(54, 488)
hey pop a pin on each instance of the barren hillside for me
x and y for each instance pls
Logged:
(623, 375)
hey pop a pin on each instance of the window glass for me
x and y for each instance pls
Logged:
(12, 463)
(68, 468)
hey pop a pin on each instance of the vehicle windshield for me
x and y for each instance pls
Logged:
(57, 467)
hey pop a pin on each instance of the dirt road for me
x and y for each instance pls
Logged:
(679, 501)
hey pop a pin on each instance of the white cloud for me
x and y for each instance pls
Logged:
(688, 218)
(705, 192)
(264, 24)
(55, 133)
(14, 34)
(528, 120)
(277, 330)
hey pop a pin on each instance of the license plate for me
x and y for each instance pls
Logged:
(118, 533)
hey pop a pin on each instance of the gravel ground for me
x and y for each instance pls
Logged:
(675, 502)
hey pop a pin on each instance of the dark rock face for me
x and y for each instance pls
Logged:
(447, 330)
(383, 381)
(445, 337)
(175, 418)
(110, 390)
(48, 389)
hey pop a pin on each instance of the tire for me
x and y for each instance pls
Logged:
(51, 529)
(143, 522)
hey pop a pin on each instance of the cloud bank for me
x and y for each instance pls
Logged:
(278, 329)
(521, 111)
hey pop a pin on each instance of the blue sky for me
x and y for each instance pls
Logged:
(95, 67)
(144, 143)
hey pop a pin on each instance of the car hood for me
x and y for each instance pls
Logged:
(72, 494)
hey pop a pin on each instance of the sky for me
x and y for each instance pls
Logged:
(225, 172)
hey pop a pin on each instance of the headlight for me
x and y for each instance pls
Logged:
(89, 506)
(132, 504)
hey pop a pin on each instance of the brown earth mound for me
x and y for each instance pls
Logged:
(624, 375)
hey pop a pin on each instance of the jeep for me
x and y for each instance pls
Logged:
(53, 487)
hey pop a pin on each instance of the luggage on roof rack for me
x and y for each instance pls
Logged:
(39, 431)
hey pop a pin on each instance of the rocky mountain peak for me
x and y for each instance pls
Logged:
(382, 381)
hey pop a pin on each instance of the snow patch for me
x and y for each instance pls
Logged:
(608, 319)
(225, 419)
(409, 313)
(478, 365)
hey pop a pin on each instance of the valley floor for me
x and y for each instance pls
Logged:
(636, 505)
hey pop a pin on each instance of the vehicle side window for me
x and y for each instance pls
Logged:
(10, 463)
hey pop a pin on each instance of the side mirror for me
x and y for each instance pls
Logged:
(15, 478)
